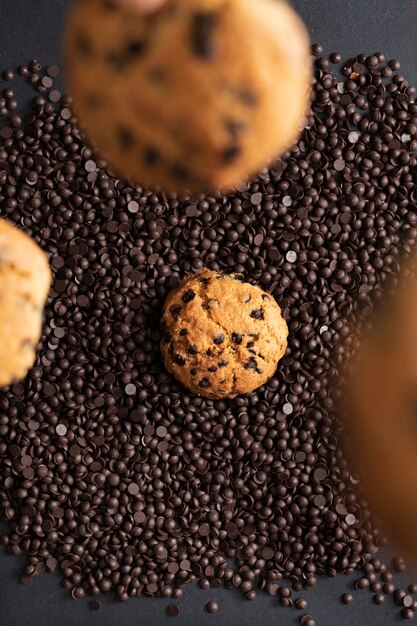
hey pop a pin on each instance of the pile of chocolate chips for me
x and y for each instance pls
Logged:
(114, 474)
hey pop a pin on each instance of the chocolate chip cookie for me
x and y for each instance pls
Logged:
(220, 336)
(24, 284)
(200, 93)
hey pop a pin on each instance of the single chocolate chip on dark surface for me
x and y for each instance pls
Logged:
(173, 610)
(95, 605)
(212, 607)
(301, 603)
(112, 473)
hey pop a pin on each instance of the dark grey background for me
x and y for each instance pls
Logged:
(33, 28)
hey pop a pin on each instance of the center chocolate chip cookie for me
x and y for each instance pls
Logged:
(220, 336)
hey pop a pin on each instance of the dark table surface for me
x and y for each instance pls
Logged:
(33, 28)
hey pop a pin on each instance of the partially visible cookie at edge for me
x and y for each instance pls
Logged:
(220, 336)
(25, 279)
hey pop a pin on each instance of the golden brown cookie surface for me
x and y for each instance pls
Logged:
(221, 337)
(198, 94)
(24, 285)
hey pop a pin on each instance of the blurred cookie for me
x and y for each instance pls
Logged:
(200, 93)
(221, 337)
(24, 284)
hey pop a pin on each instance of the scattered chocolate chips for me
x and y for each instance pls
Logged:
(113, 474)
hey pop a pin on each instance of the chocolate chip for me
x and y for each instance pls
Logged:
(151, 156)
(235, 127)
(175, 310)
(179, 360)
(247, 97)
(202, 34)
(181, 172)
(173, 610)
(136, 48)
(257, 314)
(212, 607)
(231, 153)
(251, 364)
(192, 350)
(125, 138)
(188, 295)
(237, 338)
(204, 383)
(218, 340)
(165, 334)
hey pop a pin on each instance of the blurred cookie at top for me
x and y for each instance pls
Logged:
(197, 94)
